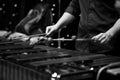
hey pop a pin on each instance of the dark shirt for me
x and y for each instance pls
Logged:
(96, 16)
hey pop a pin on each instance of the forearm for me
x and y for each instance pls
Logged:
(115, 29)
(64, 20)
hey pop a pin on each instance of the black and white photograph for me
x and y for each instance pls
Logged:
(59, 39)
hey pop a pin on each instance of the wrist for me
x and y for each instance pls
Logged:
(57, 26)
(109, 34)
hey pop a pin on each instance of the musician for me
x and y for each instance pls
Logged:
(35, 21)
(99, 21)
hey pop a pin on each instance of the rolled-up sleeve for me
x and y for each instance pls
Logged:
(74, 8)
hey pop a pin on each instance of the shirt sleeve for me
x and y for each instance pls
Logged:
(74, 8)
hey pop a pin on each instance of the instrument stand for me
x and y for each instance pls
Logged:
(59, 42)
(59, 31)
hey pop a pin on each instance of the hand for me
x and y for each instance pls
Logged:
(51, 29)
(19, 36)
(4, 33)
(35, 40)
(103, 38)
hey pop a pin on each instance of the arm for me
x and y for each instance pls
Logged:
(64, 20)
(72, 11)
(115, 29)
(106, 37)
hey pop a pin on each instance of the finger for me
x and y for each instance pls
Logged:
(96, 38)
(49, 33)
(47, 30)
(103, 36)
(104, 41)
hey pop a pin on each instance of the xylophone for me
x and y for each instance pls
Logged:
(19, 61)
